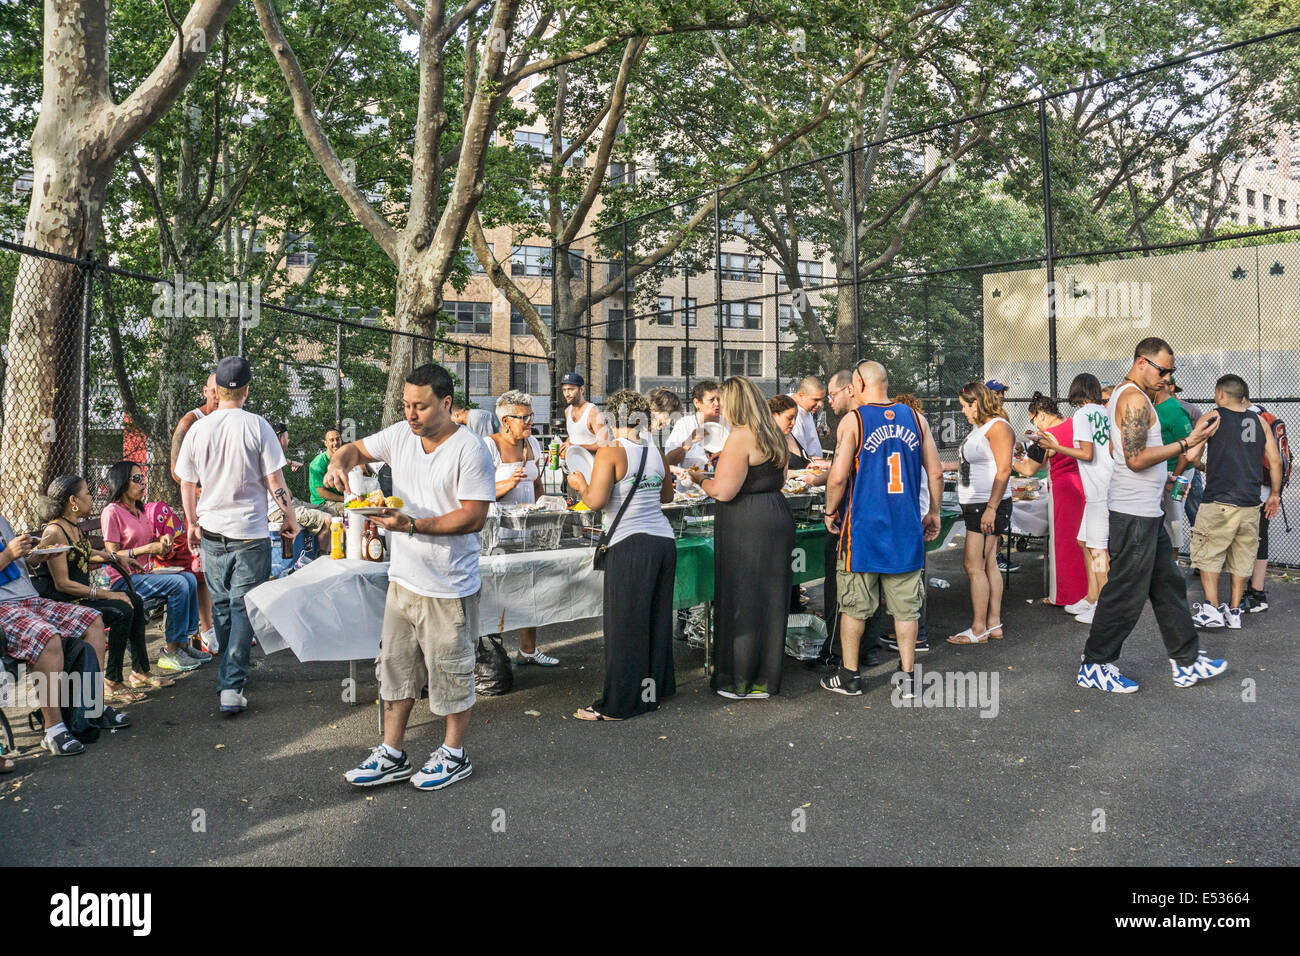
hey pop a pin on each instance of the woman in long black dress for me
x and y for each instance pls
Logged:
(753, 535)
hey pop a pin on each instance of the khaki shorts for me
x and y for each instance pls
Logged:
(428, 640)
(313, 520)
(859, 593)
(1225, 536)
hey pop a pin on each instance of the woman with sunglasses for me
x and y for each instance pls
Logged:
(129, 534)
(517, 456)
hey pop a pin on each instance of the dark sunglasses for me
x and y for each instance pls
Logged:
(137, 479)
(1160, 368)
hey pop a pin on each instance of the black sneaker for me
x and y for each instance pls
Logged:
(891, 642)
(1255, 601)
(923, 646)
(905, 682)
(871, 658)
(1004, 565)
(843, 682)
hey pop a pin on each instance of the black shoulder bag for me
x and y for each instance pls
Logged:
(602, 546)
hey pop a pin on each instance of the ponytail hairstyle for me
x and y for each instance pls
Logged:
(1043, 403)
(51, 504)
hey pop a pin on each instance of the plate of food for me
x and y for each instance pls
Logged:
(715, 436)
(49, 552)
(165, 569)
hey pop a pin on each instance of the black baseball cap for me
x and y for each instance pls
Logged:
(233, 371)
(572, 378)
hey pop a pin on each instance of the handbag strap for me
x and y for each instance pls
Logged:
(636, 483)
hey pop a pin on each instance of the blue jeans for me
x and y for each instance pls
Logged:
(233, 568)
(182, 594)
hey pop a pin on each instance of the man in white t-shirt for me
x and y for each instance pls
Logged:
(809, 396)
(444, 476)
(237, 459)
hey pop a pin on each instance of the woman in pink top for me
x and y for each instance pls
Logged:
(1069, 575)
(130, 535)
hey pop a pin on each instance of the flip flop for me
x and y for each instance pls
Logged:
(970, 637)
(590, 713)
(122, 694)
(999, 635)
(149, 680)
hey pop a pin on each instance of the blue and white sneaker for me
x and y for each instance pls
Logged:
(1203, 668)
(1105, 677)
(380, 767)
(1207, 617)
(442, 770)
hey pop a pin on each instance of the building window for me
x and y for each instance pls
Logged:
(688, 311)
(1281, 206)
(540, 144)
(740, 268)
(665, 360)
(622, 174)
(471, 260)
(531, 377)
(614, 376)
(785, 316)
(519, 327)
(302, 251)
(1250, 220)
(742, 315)
(471, 317)
(479, 381)
(742, 362)
(665, 314)
(1268, 203)
(530, 261)
(688, 361)
(810, 274)
(1250, 198)
(741, 224)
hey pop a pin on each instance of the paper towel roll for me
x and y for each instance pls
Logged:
(355, 526)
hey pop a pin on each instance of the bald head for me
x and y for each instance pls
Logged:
(871, 382)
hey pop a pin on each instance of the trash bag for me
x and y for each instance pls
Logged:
(493, 675)
(805, 635)
(85, 701)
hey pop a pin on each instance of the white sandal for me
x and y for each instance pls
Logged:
(970, 637)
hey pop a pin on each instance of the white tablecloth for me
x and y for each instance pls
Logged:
(334, 610)
(1030, 517)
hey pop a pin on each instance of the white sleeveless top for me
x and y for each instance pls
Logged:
(522, 493)
(645, 515)
(983, 466)
(1139, 493)
(579, 432)
(197, 413)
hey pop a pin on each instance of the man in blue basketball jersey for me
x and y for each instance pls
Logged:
(873, 504)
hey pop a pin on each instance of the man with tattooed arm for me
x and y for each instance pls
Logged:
(1142, 559)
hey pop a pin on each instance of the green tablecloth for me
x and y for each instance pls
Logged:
(694, 581)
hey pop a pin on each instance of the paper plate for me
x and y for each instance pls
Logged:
(47, 552)
(580, 460)
(715, 436)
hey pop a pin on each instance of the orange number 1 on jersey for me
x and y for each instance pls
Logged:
(895, 473)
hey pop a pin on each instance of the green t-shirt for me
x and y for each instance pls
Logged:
(316, 475)
(1175, 423)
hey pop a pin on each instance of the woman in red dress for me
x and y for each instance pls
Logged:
(1068, 573)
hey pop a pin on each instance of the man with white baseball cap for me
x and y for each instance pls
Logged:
(237, 458)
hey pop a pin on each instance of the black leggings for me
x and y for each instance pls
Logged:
(125, 624)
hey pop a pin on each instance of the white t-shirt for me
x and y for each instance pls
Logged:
(1091, 422)
(805, 433)
(523, 493)
(681, 434)
(432, 484)
(231, 453)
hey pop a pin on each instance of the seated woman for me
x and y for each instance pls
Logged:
(786, 413)
(130, 536)
(517, 457)
(34, 629)
(66, 577)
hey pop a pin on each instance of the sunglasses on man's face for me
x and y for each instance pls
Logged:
(1160, 368)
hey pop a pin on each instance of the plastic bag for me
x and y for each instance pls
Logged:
(493, 675)
(805, 636)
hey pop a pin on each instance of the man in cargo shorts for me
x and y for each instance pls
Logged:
(444, 476)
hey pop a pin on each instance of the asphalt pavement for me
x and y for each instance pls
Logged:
(1036, 772)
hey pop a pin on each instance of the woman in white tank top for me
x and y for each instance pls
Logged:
(640, 566)
(983, 464)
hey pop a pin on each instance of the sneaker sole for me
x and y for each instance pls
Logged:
(1108, 690)
(178, 668)
(46, 745)
(387, 778)
(458, 775)
(842, 690)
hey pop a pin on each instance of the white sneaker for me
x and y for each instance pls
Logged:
(544, 660)
(233, 702)
(1085, 616)
(1079, 606)
(1231, 617)
(209, 641)
(1207, 617)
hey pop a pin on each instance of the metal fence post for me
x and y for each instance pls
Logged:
(1049, 244)
(83, 430)
(338, 374)
(717, 280)
(853, 222)
(624, 378)
(688, 316)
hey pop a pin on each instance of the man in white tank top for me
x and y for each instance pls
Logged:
(189, 418)
(1142, 559)
(582, 421)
